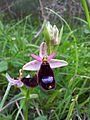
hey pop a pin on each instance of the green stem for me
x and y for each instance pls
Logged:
(84, 4)
(26, 111)
(23, 91)
(27, 104)
(5, 96)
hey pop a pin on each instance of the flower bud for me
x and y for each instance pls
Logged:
(55, 38)
(51, 34)
(48, 32)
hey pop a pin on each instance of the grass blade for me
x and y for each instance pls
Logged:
(5, 96)
(84, 4)
(71, 108)
(21, 106)
(89, 109)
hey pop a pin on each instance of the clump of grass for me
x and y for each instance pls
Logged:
(71, 97)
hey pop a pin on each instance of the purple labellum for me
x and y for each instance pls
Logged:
(30, 82)
(46, 77)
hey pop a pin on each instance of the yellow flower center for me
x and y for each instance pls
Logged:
(44, 60)
(20, 74)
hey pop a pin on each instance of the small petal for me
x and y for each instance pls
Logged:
(51, 56)
(14, 82)
(55, 35)
(50, 29)
(11, 80)
(32, 66)
(43, 49)
(36, 57)
(19, 83)
(55, 63)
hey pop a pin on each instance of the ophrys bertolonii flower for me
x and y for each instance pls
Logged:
(44, 65)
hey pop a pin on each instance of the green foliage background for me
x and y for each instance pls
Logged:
(71, 98)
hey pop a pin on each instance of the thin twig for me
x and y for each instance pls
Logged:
(38, 33)
(44, 19)
(83, 76)
(42, 26)
(9, 8)
(20, 111)
(42, 11)
(31, 96)
(36, 107)
(11, 103)
(20, 21)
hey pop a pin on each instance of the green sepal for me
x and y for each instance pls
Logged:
(47, 37)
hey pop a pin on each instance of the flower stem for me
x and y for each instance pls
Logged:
(27, 104)
(5, 96)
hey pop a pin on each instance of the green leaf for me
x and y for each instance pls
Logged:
(89, 108)
(6, 118)
(3, 66)
(46, 34)
(5, 96)
(1, 26)
(66, 104)
(78, 109)
(33, 96)
(60, 34)
(27, 104)
(21, 106)
(23, 91)
(41, 118)
(52, 97)
(71, 108)
(47, 38)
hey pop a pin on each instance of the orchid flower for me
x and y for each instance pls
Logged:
(30, 82)
(44, 65)
(16, 82)
(35, 64)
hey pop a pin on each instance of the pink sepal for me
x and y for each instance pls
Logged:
(55, 63)
(13, 81)
(32, 66)
(51, 56)
(36, 57)
(43, 50)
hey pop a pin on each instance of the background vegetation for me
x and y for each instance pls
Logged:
(71, 98)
